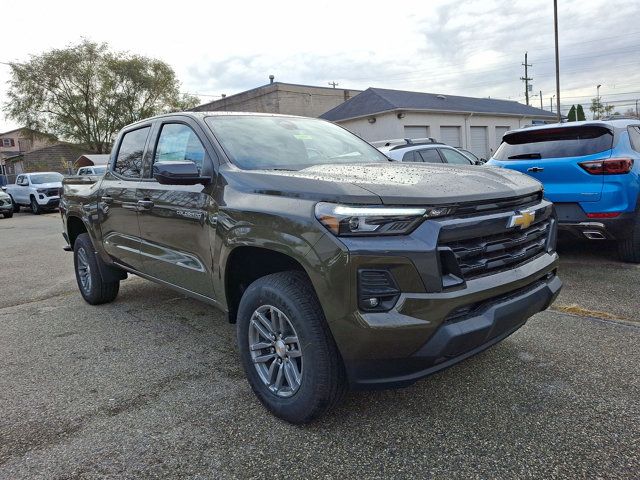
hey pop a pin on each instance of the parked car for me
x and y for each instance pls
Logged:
(38, 191)
(93, 170)
(590, 171)
(6, 206)
(338, 267)
(423, 150)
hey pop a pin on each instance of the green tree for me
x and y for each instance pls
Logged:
(571, 117)
(580, 113)
(599, 109)
(86, 92)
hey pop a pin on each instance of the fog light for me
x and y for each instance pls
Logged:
(373, 302)
(41, 197)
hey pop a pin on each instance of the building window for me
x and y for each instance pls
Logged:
(8, 142)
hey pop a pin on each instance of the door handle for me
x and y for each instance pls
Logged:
(535, 169)
(107, 199)
(145, 204)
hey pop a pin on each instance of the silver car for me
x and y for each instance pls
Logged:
(423, 150)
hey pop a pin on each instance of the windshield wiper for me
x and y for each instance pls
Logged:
(525, 155)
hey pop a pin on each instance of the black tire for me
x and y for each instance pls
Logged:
(323, 382)
(35, 207)
(96, 291)
(16, 207)
(629, 248)
(8, 215)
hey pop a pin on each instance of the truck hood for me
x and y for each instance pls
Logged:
(47, 185)
(392, 183)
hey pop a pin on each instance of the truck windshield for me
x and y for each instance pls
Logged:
(288, 143)
(558, 142)
(46, 178)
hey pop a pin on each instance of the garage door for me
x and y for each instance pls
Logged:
(479, 141)
(416, 131)
(500, 131)
(450, 136)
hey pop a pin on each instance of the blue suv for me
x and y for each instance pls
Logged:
(590, 171)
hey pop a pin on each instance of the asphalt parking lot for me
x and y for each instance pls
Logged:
(150, 386)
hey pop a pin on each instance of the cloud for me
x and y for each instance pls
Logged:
(463, 47)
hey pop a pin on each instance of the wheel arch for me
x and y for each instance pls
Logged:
(247, 263)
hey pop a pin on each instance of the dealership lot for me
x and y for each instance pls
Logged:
(151, 386)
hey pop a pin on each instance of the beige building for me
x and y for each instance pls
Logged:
(20, 141)
(286, 98)
(475, 124)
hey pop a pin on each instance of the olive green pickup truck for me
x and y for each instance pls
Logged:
(339, 268)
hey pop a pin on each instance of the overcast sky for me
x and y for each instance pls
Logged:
(459, 47)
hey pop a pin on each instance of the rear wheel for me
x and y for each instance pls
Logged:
(287, 351)
(629, 248)
(35, 207)
(86, 261)
(8, 214)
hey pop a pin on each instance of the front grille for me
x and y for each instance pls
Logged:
(3, 202)
(52, 192)
(513, 203)
(484, 255)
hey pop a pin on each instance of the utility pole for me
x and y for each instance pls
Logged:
(638, 116)
(598, 102)
(551, 103)
(526, 78)
(334, 84)
(555, 24)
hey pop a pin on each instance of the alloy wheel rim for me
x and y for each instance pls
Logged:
(84, 270)
(275, 351)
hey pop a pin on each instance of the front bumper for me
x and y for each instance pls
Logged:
(6, 207)
(458, 338)
(49, 202)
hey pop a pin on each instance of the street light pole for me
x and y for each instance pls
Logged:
(555, 23)
(598, 101)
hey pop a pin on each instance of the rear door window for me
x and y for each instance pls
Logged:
(129, 159)
(430, 155)
(555, 143)
(411, 157)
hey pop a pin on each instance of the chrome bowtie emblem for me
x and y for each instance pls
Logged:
(522, 219)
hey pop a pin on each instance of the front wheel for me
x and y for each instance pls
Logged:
(35, 207)
(93, 288)
(287, 351)
(629, 248)
(16, 207)
(8, 214)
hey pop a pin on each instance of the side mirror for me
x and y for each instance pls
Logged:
(178, 173)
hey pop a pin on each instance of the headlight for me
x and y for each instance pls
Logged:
(41, 190)
(354, 220)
